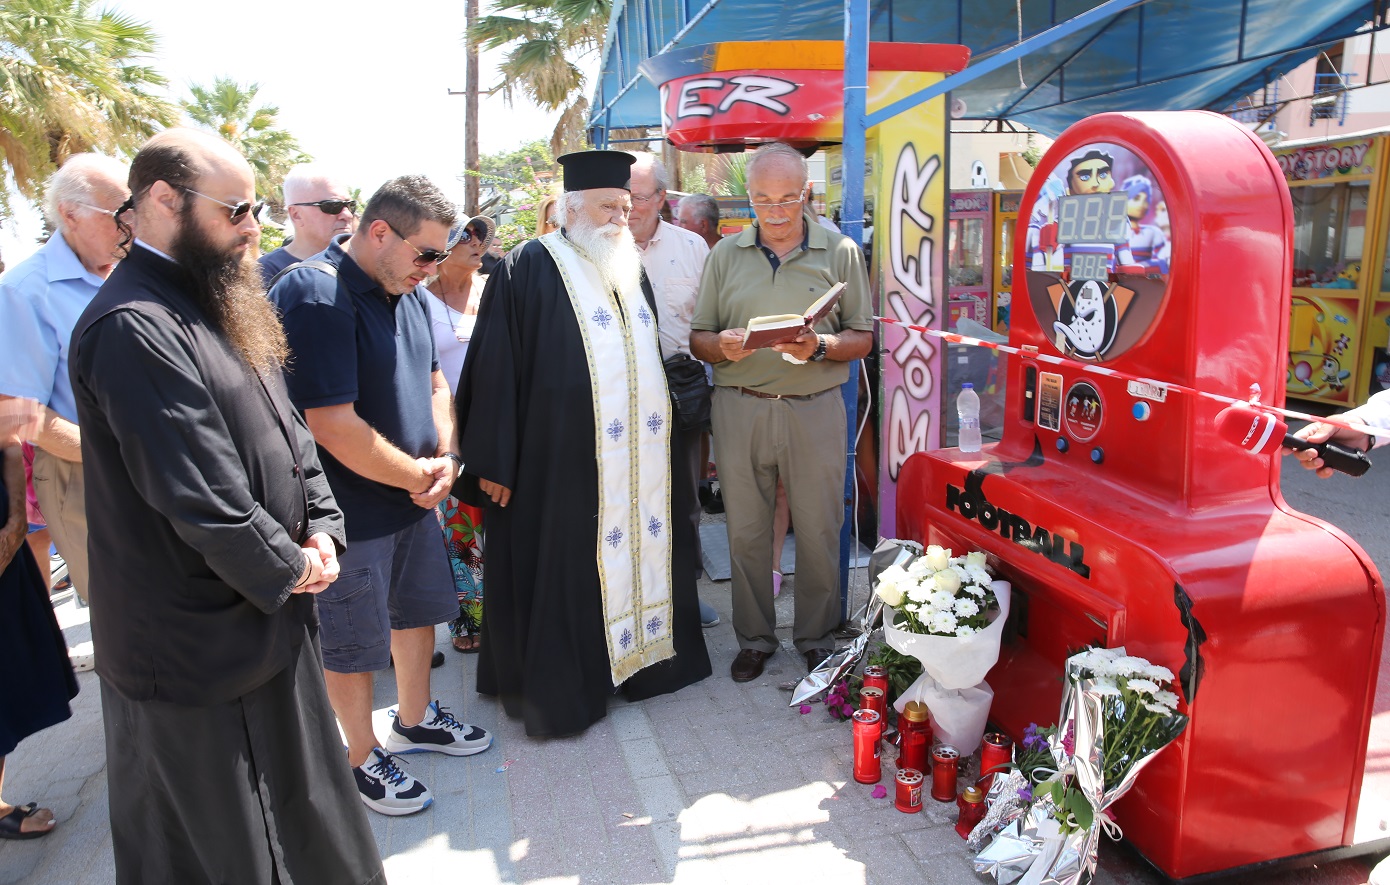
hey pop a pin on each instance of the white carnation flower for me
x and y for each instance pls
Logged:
(919, 593)
(1158, 674)
(967, 608)
(975, 589)
(1143, 685)
(943, 600)
(919, 568)
(1158, 708)
(966, 630)
(978, 575)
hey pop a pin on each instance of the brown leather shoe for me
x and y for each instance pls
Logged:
(815, 657)
(748, 665)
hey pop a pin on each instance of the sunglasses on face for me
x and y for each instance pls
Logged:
(424, 257)
(471, 231)
(332, 207)
(239, 211)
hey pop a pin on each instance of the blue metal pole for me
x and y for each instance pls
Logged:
(852, 223)
(994, 62)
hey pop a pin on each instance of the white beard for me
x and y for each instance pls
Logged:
(611, 249)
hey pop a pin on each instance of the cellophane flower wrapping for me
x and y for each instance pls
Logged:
(948, 613)
(1116, 715)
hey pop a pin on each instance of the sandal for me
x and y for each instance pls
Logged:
(12, 824)
(474, 639)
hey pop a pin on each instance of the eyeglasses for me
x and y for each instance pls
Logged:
(332, 207)
(765, 206)
(111, 212)
(239, 210)
(425, 257)
(643, 200)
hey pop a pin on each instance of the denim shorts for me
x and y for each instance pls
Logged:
(396, 582)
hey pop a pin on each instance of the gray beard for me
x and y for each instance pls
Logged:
(614, 256)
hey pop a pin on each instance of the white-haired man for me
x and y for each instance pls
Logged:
(699, 214)
(40, 301)
(320, 208)
(777, 418)
(565, 427)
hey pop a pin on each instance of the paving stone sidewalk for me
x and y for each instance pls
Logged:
(719, 783)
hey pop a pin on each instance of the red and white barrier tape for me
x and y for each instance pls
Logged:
(1096, 369)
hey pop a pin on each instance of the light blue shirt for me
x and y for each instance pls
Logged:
(41, 299)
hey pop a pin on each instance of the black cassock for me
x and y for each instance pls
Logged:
(526, 421)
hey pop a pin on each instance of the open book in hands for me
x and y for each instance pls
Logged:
(783, 328)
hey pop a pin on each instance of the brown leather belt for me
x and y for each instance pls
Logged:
(760, 395)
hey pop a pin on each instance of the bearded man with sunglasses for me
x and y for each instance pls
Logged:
(214, 527)
(366, 375)
(320, 208)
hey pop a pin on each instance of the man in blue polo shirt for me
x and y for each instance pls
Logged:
(40, 301)
(365, 373)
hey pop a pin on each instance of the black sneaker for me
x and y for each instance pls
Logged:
(440, 732)
(387, 788)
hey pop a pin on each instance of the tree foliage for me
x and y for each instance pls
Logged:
(546, 40)
(230, 110)
(72, 79)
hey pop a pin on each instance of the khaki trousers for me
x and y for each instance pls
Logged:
(802, 441)
(62, 498)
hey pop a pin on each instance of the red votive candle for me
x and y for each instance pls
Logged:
(914, 736)
(872, 698)
(868, 727)
(876, 676)
(996, 753)
(943, 776)
(909, 796)
(972, 811)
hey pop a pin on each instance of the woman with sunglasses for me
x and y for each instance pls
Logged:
(453, 311)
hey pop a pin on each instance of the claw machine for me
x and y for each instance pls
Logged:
(1005, 223)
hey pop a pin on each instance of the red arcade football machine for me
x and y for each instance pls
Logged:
(1122, 518)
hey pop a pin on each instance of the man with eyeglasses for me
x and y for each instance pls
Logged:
(214, 528)
(565, 425)
(40, 301)
(366, 375)
(777, 412)
(320, 208)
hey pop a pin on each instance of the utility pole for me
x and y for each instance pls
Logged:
(470, 112)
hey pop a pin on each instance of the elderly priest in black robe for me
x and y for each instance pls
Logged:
(565, 432)
(211, 528)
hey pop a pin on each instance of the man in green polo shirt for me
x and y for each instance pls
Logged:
(777, 412)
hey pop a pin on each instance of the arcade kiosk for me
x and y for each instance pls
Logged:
(968, 268)
(1122, 518)
(1005, 223)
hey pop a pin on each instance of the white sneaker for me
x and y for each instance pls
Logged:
(440, 732)
(387, 788)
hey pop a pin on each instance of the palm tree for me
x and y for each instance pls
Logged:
(229, 109)
(72, 79)
(547, 38)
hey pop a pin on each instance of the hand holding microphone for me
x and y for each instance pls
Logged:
(1264, 432)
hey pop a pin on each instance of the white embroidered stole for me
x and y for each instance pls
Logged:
(632, 430)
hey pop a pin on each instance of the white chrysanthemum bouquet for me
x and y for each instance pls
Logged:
(948, 613)
(940, 594)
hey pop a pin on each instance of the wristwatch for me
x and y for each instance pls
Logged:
(820, 350)
(456, 459)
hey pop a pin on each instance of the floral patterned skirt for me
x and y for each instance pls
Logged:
(463, 538)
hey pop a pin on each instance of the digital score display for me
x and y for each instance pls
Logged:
(1092, 218)
(1090, 266)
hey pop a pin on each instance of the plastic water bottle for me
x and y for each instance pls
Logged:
(968, 408)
